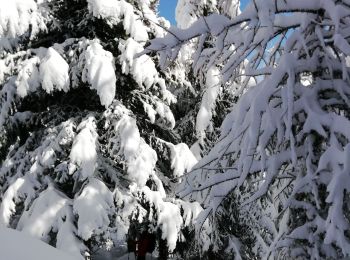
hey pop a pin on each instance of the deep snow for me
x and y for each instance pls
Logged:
(15, 245)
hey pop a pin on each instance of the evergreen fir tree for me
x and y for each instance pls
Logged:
(87, 143)
(204, 101)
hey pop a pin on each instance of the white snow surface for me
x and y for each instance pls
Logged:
(142, 68)
(139, 156)
(182, 159)
(54, 72)
(51, 211)
(169, 217)
(210, 95)
(21, 188)
(93, 206)
(188, 11)
(183, 12)
(45, 213)
(83, 151)
(116, 11)
(99, 72)
(144, 71)
(28, 79)
(15, 245)
(16, 17)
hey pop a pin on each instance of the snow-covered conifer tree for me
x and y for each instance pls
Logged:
(203, 102)
(87, 146)
(279, 174)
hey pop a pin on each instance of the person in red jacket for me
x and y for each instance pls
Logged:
(146, 244)
(142, 246)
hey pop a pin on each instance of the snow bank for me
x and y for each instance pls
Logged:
(46, 212)
(16, 245)
(51, 212)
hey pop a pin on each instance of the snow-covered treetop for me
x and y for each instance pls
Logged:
(15, 245)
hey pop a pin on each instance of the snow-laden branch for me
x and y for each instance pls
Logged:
(284, 147)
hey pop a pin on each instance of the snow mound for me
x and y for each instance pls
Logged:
(30, 248)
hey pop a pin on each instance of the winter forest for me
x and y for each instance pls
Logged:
(225, 136)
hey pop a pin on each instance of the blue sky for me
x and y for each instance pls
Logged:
(167, 9)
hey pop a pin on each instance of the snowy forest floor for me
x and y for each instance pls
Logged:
(120, 254)
(15, 245)
(34, 249)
